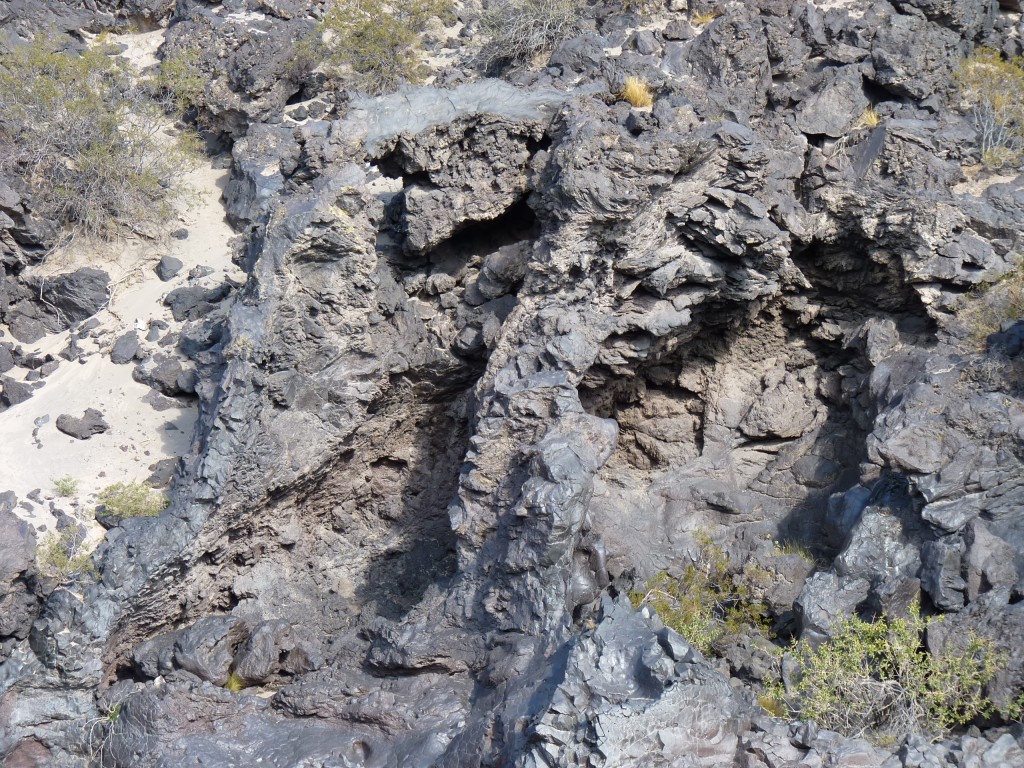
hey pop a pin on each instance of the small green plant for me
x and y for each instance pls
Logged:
(62, 555)
(815, 556)
(122, 500)
(771, 705)
(637, 92)
(87, 138)
(876, 679)
(235, 683)
(994, 87)
(65, 486)
(180, 82)
(377, 40)
(706, 602)
(101, 729)
(519, 30)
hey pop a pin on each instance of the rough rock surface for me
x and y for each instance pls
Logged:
(91, 423)
(505, 352)
(18, 601)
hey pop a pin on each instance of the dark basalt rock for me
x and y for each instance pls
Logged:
(191, 302)
(55, 304)
(13, 392)
(91, 423)
(125, 348)
(169, 266)
(18, 601)
(166, 374)
(6, 357)
(503, 353)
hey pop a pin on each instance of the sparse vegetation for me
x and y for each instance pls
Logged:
(876, 679)
(707, 601)
(519, 30)
(869, 118)
(88, 139)
(235, 683)
(180, 83)
(985, 309)
(817, 557)
(771, 705)
(65, 486)
(62, 555)
(122, 500)
(994, 88)
(700, 18)
(637, 92)
(377, 40)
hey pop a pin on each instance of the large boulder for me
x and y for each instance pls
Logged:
(54, 304)
(91, 423)
(18, 602)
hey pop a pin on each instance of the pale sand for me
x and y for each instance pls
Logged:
(139, 434)
(32, 451)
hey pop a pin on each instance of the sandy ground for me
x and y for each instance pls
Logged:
(979, 179)
(32, 452)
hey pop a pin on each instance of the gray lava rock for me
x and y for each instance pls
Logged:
(13, 391)
(6, 357)
(207, 648)
(125, 348)
(18, 603)
(498, 345)
(729, 61)
(833, 110)
(191, 302)
(273, 648)
(162, 472)
(169, 266)
(91, 423)
(825, 601)
(76, 296)
(166, 374)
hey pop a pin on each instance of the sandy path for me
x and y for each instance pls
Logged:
(32, 452)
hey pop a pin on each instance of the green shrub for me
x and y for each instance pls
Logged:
(519, 30)
(377, 40)
(180, 83)
(706, 602)
(994, 86)
(876, 679)
(86, 137)
(122, 500)
(61, 556)
(65, 486)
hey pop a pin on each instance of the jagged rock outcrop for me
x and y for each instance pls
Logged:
(504, 352)
(248, 51)
(27, 17)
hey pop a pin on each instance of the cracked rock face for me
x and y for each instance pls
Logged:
(505, 352)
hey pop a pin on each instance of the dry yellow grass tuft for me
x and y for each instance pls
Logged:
(235, 683)
(984, 310)
(637, 92)
(700, 18)
(869, 119)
